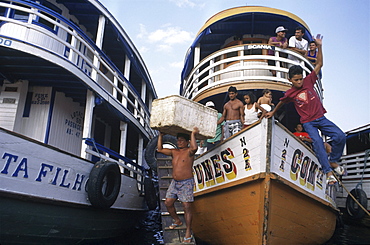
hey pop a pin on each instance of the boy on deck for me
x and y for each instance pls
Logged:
(311, 110)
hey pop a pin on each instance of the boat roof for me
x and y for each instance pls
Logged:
(360, 130)
(252, 20)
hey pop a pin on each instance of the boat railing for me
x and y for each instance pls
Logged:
(355, 166)
(244, 63)
(128, 166)
(34, 24)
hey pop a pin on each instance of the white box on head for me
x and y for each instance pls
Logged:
(175, 114)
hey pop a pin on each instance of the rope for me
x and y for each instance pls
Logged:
(359, 184)
(366, 156)
(96, 148)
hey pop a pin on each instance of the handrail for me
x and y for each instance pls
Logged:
(99, 147)
(32, 9)
(204, 75)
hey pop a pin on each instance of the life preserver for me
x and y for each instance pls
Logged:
(104, 184)
(352, 207)
(151, 197)
(151, 149)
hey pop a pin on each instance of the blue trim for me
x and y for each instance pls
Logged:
(45, 26)
(91, 142)
(351, 135)
(51, 108)
(27, 105)
(189, 60)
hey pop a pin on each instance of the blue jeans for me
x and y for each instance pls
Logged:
(338, 141)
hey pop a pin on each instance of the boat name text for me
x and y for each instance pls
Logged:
(5, 42)
(46, 172)
(302, 168)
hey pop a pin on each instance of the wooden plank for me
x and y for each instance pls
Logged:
(165, 167)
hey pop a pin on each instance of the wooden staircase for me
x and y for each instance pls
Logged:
(175, 236)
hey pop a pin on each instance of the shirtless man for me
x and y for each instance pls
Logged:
(182, 185)
(233, 114)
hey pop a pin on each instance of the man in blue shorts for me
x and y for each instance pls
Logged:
(182, 185)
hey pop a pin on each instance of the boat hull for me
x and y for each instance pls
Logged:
(271, 195)
(34, 221)
(43, 196)
(238, 215)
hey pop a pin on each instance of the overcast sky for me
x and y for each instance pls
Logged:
(163, 30)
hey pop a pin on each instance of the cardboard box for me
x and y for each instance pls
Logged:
(176, 114)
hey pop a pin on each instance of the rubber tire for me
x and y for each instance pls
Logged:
(352, 207)
(151, 149)
(104, 184)
(151, 197)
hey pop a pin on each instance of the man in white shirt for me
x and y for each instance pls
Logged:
(298, 43)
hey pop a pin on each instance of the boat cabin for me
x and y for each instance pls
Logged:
(231, 49)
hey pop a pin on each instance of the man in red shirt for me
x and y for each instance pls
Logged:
(308, 105)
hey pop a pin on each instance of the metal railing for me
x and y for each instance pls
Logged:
(355, 166)
(36, 25)
(237, 64)
(127, 166)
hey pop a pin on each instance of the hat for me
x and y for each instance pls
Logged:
(210, 103)
(280, 28)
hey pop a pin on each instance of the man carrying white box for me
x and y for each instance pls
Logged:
(182, 185)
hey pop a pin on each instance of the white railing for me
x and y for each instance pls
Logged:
(67, 41)
(355, 166)
(216, 69)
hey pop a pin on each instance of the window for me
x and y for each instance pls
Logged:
(44, 22)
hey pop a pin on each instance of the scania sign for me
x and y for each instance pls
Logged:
(259, 46)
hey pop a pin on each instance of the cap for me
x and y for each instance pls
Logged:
(210, 103)
(280, 28)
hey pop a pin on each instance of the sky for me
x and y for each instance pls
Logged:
(163, 30)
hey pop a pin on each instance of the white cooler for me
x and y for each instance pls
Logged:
(176, 114)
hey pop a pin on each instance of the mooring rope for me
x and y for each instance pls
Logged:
(359, 184)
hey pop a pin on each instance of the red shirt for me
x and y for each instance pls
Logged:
(298, 134)
(306, 101)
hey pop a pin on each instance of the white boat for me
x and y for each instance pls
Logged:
(74, 92)
(357, 181)
(262, 185)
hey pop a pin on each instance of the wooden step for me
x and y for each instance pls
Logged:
(168, 214)
(166, 177)
(160, 159)
(165, 167)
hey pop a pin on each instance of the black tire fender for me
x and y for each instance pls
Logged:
(151, 149)
(104, 184)
(353, 209)
(151, 197)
